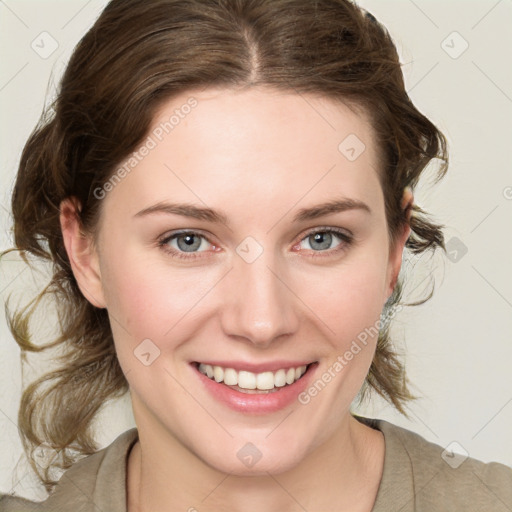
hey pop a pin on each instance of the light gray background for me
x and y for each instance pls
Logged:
(458, 345)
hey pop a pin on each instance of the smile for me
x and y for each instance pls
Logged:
(246, 381)
(255, 388)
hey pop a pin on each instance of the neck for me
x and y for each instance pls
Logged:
(343, 474)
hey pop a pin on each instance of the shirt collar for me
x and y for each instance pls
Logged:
(98, 482)
(396, 489)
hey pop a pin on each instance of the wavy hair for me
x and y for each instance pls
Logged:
(137, 55)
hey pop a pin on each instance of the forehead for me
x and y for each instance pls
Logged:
(274, 122)
(252, 150)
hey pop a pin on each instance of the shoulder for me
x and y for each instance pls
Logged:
(96, 482)
(10, 503)
(435, 478)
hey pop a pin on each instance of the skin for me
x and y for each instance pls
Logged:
(287, 304)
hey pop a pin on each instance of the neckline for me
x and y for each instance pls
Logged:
(395, 487)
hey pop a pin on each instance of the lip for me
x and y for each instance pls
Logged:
(263, 403)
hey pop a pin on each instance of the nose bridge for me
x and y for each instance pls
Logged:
(258, 305)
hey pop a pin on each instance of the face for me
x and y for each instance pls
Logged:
(253, 276)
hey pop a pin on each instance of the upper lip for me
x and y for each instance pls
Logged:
(270, 366)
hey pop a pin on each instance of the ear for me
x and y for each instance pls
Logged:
(81, 252)
(396, 252)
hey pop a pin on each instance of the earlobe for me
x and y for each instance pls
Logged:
(81, 253)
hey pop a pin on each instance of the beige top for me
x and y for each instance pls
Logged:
(417, 477)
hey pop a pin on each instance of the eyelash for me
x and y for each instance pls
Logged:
(346, 239)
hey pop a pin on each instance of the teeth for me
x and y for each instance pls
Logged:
(250, 380)
(280, 378)
(230, 377)
(218, 373)
(246, 380)
(265, 380)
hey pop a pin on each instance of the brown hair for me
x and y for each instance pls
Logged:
(137, 55)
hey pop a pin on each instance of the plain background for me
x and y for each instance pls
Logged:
(458, 345)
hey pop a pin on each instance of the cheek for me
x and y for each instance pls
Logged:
(348, 298)
(148, 299)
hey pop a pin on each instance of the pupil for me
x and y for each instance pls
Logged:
(323, 239)
(188, 241)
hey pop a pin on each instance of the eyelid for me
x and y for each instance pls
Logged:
(163, 240)
(344, 234)
(321, 229)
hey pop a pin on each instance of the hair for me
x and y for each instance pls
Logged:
(138, 55)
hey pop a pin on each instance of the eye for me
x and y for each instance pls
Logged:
(320, 240)
(189, 244)
(184, 244)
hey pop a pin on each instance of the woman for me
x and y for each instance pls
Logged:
(225, 190)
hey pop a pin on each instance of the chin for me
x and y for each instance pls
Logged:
(261, 467)
(241, 457)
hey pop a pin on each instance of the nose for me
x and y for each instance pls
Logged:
(259, 306)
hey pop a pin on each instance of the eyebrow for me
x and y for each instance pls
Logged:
(215, 216)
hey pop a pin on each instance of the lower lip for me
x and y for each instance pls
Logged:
(257, 403)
